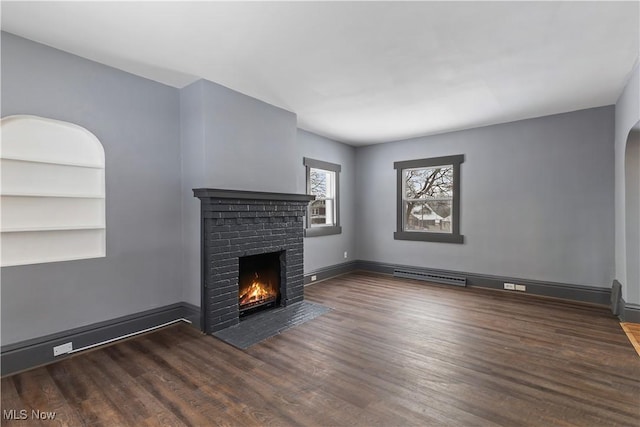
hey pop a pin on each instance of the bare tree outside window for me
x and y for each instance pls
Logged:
(428, 197)
(318, 182)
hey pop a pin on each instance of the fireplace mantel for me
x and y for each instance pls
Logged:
(215, 193)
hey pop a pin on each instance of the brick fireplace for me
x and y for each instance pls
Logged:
(237, 225)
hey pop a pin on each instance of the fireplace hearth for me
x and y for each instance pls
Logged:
(252, 253)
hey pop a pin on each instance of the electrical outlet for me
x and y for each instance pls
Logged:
(521, 288)
(62, 349)
(313, 278)
(510, 286)
(345, 254)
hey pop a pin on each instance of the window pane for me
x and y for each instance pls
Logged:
(322, 212)
(321, 183)
(428, 183)
(432, 216)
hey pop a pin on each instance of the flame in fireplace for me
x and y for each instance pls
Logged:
(257, 292)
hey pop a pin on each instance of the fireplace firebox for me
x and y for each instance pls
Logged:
(259, 282)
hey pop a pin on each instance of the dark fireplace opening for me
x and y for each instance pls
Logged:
(259, 282)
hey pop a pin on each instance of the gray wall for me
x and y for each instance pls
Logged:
(229, 141)
(192, 165)
(324, 251)
(137, 121)
(632, 213)
(537, 200)
(627, 115)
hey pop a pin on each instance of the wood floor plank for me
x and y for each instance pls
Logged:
(633, 333)
(391, 352)
(117, 364)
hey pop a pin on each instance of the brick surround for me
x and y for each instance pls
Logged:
(242, 223)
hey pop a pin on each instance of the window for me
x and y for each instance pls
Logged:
(52, 192)
(429, 199)
(323, 215)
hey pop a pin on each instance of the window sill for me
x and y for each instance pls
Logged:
(428, 237)
(322, 231)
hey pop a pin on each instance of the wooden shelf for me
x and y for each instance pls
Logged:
(50, 162)
(67, 196)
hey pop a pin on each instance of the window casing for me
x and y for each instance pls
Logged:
(428, 199)
(323, 214)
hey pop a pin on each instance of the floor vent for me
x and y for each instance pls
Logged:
(447, 279)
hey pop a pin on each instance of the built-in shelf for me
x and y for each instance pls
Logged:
(50, 162)
(52, 192)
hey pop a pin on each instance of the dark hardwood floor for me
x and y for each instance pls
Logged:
(392, 352)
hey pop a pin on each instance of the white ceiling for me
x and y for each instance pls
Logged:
(362, 72)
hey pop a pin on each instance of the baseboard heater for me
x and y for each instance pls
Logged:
(427, 276)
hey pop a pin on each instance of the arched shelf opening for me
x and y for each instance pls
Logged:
(52, 192)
